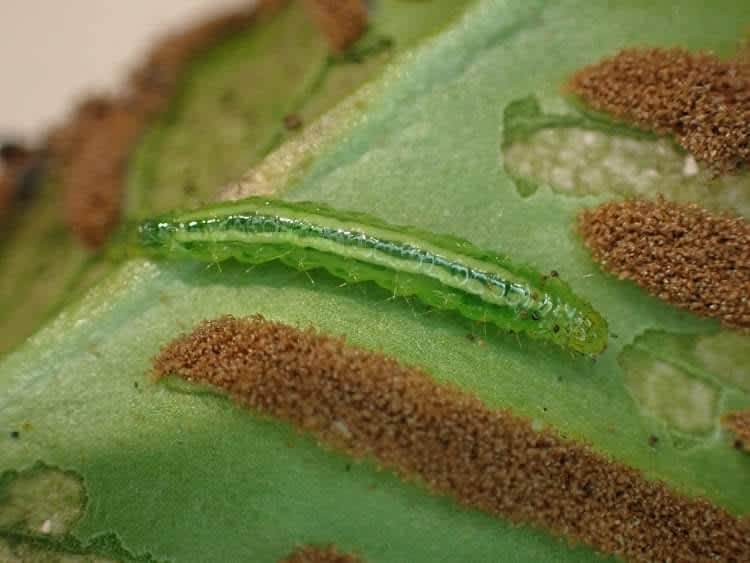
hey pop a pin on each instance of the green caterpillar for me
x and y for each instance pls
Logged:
(442, 271)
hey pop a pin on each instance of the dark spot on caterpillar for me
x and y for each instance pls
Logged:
(554, 274)
(555, 328)
(292, 121)
(15, 434)
(653, 440)
(535, 315)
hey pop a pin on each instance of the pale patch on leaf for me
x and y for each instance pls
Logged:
(42, 501)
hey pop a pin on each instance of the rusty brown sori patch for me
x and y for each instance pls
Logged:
(701, 100)
(682, 254)
(319, 554)
(340, 21)
(368, 404)
(92, 148)
(739, 423)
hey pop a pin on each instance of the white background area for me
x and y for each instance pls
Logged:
(53, 52)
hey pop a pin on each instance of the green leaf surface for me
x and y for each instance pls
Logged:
(42, 266)
(190, 476)
(230, 107)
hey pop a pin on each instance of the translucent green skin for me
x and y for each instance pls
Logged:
(441, 271)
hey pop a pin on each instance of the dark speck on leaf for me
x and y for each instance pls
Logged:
(387, 42)
(652, 441)
(228, 98)
(292, 121)
(29, 181)
(15, 434)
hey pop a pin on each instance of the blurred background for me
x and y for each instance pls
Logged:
(53, 52)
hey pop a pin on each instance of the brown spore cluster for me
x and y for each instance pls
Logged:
(319, 554)
(682, 254)
(91, 152)
(341, 22)
(701, 100)
(93, 147)
(739, 423)
(370, 405)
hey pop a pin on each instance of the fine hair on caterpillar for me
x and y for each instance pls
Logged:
(444, 272)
